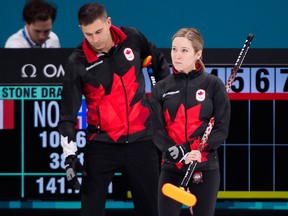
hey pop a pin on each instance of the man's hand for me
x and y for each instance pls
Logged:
(72, 165)
(176, 153)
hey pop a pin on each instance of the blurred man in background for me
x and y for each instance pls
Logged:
(38, 16)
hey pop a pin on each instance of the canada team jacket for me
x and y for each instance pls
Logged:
(113, 85)
(181, 108)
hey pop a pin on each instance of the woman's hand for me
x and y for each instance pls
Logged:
(194, 155)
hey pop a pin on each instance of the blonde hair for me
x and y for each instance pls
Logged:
(196, 39)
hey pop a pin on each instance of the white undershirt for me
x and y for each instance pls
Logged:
(18, 40)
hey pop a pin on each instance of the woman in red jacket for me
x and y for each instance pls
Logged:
(181, 107)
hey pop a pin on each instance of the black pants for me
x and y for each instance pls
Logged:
(205, 192)
(140, 162)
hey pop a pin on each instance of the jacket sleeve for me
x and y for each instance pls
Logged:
(221, 109)
(159, 134)
(71, 101)
(159, 64)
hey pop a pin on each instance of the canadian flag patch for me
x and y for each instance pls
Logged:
(200, 95)
(129, 54)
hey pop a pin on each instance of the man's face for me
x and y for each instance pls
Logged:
(98, 34)
(39, 31)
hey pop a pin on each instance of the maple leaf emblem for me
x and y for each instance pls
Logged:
(200, 93)
(184, 122)
(118, 116)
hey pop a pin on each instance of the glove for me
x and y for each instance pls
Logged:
(176, 153)
(72, 165)
(204, 149)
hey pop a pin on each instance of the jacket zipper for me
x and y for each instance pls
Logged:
(98, 113)
(127, 116)
(185, 107)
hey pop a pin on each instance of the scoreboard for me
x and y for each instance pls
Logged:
(253, 152)
(253, 158)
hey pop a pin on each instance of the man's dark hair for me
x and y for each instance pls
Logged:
(88, 13)
(38, 10)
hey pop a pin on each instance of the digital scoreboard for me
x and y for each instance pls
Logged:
(253, 158)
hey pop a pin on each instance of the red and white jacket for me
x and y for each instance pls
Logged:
(113, 86)
(181, 108)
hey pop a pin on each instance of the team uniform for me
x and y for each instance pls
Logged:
(119, 127)
(181, 108)
(21, 39)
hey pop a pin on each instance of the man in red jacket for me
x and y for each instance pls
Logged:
(107, 69)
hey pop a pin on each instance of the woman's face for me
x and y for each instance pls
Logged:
(183, 55)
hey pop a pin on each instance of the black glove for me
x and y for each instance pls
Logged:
(176, 152)
(72, 165)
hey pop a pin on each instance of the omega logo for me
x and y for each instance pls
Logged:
(49, 71)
